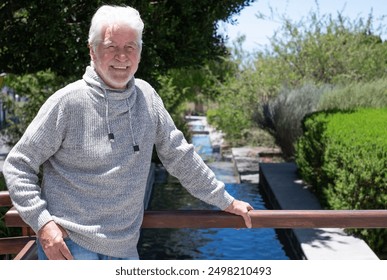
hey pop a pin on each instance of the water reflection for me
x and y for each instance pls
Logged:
(203, 146)
(206, 244)
(176, 244)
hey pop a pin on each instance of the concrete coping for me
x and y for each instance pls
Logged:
(280, 182)
(284, 190)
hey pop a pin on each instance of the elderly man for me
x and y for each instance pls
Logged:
(94, 138)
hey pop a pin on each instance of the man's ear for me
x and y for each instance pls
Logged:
(92, 53)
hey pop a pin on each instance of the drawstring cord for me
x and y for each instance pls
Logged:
(107, 119)
(136, 147)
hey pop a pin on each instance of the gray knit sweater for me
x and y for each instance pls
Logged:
(94, 187)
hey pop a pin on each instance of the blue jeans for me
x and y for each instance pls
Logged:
(79, 253)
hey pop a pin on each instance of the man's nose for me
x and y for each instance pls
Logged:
(121, 55)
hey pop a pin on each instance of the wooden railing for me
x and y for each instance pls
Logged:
(219, 219)
(260, 219)
(14, 245)
(5, 200)
(267, 219)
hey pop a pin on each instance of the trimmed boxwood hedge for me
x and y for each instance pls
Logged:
(343, 156)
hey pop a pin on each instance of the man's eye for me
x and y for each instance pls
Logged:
(130, 48)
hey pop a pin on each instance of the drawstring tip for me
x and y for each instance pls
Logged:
(136, 148)
(111, 137)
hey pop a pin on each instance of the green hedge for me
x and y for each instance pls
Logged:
(343, 156)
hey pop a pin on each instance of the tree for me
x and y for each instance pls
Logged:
(304, 61)
(38, 35)
(48, 39)
(330, 50)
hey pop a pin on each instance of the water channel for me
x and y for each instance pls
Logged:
(207, 244)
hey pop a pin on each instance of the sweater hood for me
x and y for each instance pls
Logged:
(102, 90)
(115, 100)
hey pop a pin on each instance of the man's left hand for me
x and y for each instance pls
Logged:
(241, 208)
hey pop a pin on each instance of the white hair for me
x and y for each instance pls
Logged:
(109, 15)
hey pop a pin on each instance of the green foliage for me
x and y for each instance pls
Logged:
(358, 144)
(173, 98)
(310, 149)
(2, 79)
(371, 94)
(313, 52)
(35, 89)
(330, 50)
(282, 115)
(233, 122)
(198, 83)
(343, 155)
(236, 101)
(192, 84)
(236, 93)
(178, 35)
(37, 35)
(276, 90)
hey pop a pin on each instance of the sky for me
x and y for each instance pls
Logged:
(258, 31)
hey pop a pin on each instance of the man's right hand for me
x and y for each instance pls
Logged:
(51, 238)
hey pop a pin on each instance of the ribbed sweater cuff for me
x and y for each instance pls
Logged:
(42, 219)
(228, 200)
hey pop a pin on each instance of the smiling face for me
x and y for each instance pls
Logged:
(117, 56)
